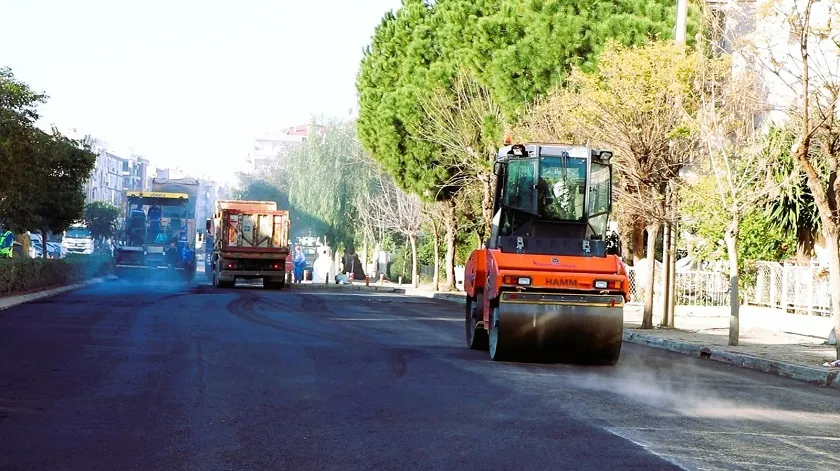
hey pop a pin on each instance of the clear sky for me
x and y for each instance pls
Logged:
(186, 82)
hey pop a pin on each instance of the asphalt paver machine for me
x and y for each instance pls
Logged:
(160, 231)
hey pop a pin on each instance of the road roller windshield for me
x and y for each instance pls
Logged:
(554, 191)
(561, 188)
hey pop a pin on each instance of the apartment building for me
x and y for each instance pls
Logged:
(759, 38)
(270, 145)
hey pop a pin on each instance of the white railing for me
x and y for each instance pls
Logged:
(792, 287)
(693, 288)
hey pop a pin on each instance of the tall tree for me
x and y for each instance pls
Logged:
(432, 215)
(517, 50)
(101, 218)
(398, 212)
(810, 69)
(794, 210)
(523, 50)
(58, 191)
(18, 113)
(261, 187)
(328, 176)
(394, 71)
(467, 123)
(738, 156)
(42, 187)
(637, 104)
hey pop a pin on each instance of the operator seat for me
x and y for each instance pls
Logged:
(154, 220)
(174, 229)
(137, 227)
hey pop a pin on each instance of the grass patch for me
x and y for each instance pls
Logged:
(22, 275)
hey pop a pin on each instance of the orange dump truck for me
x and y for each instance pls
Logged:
(546, 283)
(250, 241)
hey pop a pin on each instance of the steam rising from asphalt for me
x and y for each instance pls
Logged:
(157, 279)
(679, 390)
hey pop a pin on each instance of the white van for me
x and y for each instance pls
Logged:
(77, 239)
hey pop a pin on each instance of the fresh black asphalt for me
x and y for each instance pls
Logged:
(159, 377)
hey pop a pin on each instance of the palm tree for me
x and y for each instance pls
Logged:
(794, 211)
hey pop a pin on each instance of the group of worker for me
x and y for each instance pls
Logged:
(153, 216)
(11, 246)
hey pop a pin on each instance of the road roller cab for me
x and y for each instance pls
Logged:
(548, 281)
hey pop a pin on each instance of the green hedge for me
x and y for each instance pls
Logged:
(20, 275)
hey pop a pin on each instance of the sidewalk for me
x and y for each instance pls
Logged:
(355, 286)
(764, 333)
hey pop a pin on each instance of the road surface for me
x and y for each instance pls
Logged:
(115, 377)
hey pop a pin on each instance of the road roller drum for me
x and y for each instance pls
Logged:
(557, 327)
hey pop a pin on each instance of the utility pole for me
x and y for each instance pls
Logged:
(673, 269)
(669, 239)
(666, 273)
(682, 19)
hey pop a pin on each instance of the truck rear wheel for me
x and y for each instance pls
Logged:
(189, 274)
(274, 284)
(475, 332)
(217, 278)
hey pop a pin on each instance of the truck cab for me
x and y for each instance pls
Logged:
(77, 239)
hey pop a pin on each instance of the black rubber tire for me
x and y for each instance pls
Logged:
(273, 285)
(226, 284)
(476, 336)
(610, 356)
(222, 283)
(495, 338)
(189, 274)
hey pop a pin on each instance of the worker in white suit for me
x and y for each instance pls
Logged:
(323, 270)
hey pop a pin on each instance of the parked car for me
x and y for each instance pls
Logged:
(54, 249)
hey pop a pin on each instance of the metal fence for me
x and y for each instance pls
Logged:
(693, 288)
(791, 287)
(788, 286)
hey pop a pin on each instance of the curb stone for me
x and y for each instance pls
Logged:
(810, 374)
(7, 302)
(829, 377)
(452, 297)
(324, 287)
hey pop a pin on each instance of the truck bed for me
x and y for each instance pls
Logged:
(243, 231)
